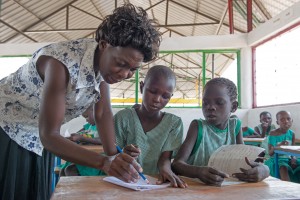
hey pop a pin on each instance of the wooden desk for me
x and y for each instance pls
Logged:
(253, 141)
(95, 188)
(58, 161)
(285, 150)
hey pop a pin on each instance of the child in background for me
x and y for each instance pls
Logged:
(71, 169)
(89, 132)
(206, 136)
(148, 134)
(266, 125)
(249, 133)
(289, 167)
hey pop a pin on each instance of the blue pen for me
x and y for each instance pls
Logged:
(140, 173)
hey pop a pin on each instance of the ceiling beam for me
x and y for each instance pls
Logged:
(37, 22)
(25, 8)
(263, 9)
(86, 12)
(205, 15)
(221, 20)
(154, 5)
(19, 32)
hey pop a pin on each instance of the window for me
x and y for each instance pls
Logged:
(192, 69)
(277, 67)
(9, 65)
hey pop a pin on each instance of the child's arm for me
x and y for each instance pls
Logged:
(166, 173)
(239, 137)
(90, 140)
(206, 174)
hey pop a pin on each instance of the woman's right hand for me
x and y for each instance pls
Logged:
(123, 167)
(211, 176)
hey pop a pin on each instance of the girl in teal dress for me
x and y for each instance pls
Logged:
(289, 167)
(206, 136)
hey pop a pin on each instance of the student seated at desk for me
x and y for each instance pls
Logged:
(289, 167)
(147, 133)
(89, 129)
(249, 132)
(89, 133)
(206, 136)
(266, 125)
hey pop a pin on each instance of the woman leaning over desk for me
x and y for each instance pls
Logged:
(57, 84)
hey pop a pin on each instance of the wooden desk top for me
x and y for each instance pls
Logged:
(253, 139)
(81, 187)
(92, 147)
(290, 149)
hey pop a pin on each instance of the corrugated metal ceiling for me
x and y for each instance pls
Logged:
(23, 21)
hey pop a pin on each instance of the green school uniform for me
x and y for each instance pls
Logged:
(84, 170)
(248, 132)
(270, 128)
(283, 160)
(211, 138)
(166, 136)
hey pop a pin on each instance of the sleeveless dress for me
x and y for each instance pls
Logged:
(283, 160)
(166, 136)
(211, 138)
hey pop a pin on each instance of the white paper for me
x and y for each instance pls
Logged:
(67, 133)
(141, 185)
(230, 158)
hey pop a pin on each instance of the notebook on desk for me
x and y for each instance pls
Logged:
(141, 185)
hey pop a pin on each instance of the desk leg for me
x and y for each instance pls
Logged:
(276, 165)
(57, 162)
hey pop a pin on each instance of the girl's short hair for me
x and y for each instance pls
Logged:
(230, 86)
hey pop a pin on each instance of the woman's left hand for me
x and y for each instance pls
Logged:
(168, 175)
(258, 172)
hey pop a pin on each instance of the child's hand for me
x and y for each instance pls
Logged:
(211, 176)
(264, 125)
(258, 172)
(168, 175)
(293, 163)
(283, 143)
(75, 137)
(133, 151)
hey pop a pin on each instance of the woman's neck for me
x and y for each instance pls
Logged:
(96, 61)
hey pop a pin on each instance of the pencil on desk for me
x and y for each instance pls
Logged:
(140, 173)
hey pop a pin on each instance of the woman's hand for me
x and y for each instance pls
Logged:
(123, 167)
(168, 175)
(258, 172)
(211, 176)
(132, 150)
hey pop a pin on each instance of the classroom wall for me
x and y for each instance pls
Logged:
(253, 116)
(186, 114)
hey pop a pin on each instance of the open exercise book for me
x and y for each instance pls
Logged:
(230, 158)
(141, 185)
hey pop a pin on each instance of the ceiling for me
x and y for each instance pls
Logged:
(27, 21)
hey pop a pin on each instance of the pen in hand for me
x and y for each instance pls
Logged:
(140, 173)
